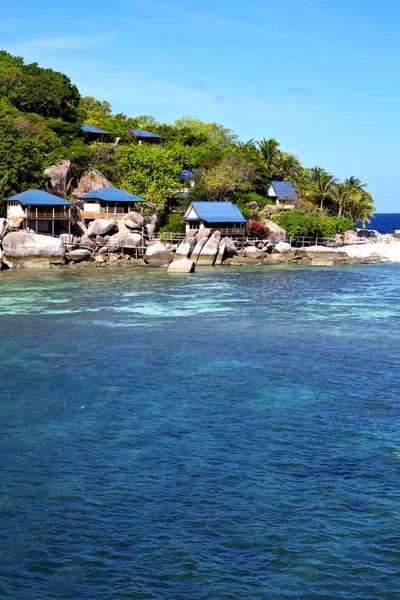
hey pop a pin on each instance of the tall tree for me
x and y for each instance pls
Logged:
(286, 166)
(269, 151)
(322, 185)
(342, 194)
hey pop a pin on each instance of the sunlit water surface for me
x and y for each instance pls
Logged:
(231, 434)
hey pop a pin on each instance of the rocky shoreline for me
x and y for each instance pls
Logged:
(107, 243)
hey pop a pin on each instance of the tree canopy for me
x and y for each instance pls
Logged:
(41, 113)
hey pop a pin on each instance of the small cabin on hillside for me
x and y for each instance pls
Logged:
(141, 135)
(108, 203)
(95, 134)
(285, 194)
(40, 211)
(222, 216)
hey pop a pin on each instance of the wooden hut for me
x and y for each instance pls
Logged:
(40, 211)
(108, 203)
(222, 216)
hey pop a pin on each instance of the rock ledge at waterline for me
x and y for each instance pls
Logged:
(27, 249)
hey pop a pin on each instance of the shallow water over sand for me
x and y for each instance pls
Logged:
(222, 435)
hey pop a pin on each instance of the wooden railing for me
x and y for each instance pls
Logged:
(116, 210)
(171, 237)
(45, 214)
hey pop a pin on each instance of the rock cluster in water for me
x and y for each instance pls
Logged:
(108, 242)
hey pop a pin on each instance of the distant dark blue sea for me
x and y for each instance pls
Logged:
(385, 222)
(227, 435)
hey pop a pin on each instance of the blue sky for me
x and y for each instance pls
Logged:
(319, 75)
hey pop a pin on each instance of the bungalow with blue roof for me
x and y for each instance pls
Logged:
(222, 216)
(40, 211)
(96, 134)
(285, 194)
(141, 135)
(108, 203)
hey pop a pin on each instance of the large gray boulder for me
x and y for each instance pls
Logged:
(102, 227)
(253, 205)
(157, 255)
(209, 252)
(90, 181)
(230, 247)
(60, 179)
(126, 239)
(186, 247)
(198, 248)
(150, 230)
(253, 252)
(31, 249)
(183, 265)
(203, 233)
(269, 210)
(87, 242)
(79, 255)
(281, 248)
(277, 234)
(221, 256)
(350, 237)
(370, 234)
(132, 220)
(78, 226)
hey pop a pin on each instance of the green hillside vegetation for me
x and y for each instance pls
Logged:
(41, 112)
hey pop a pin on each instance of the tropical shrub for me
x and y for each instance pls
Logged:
(257, 230)
(173, 224)
(296, 223)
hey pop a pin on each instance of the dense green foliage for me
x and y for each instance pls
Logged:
(41, 113)
(174, 224)
(298, 223)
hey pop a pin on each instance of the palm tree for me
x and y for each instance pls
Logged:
(360, 209)
(269, 150)
(286, 166)
(360, 204)
(342, 194)
(323, 183)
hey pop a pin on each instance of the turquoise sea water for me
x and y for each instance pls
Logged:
(231, 434)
